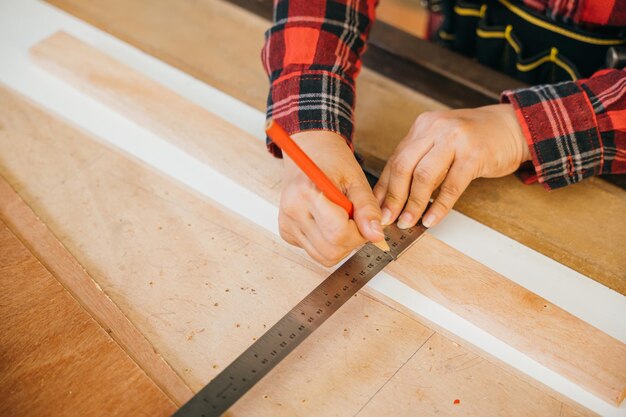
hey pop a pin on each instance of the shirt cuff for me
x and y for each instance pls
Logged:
(560, 127)
(311, 100)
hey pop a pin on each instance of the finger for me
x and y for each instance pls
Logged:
(333, 223)
(289, 237)
(457, 180)
(291, 230)
(329, 253)
(402, 165)
(380, 189)
(428, 174)
(367, 214)
(287, 228)
(305, 243)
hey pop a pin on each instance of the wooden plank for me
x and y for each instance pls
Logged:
(407, 15)
(548, 334)
(167, 258)
(416, 395)
(54, 358)
(53, 255)
(385, 110)
(200, 284)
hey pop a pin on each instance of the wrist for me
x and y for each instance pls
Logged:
(518, 135)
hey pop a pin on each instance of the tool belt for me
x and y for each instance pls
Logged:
(524, 44)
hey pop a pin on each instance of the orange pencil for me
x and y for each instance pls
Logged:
(281, 138)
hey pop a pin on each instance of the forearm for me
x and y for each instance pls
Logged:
(312, 56)
(575, 129)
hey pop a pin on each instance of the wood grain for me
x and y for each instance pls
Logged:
(77, 281)
(55, 360)
(459, 371)
(531, 324)
(407, 15)
(550, 335)
(568, 225)
(201, 284)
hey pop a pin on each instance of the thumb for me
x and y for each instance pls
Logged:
(367, 214)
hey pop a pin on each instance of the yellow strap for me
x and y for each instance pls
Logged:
(490, 34)
(446, 36)
(554, 28)
(553, 57)
(500, 35)
(468, 11)
(510, 40)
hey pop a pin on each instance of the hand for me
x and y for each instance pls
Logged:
(309, 220)
(448, 149)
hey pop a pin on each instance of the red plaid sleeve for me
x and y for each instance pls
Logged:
(312, 55)
(594, 12)
(574, 129)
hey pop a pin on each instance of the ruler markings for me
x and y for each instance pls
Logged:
(291, 330)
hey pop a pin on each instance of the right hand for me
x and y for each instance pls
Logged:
(309, 220)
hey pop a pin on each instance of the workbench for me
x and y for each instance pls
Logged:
(138, 275)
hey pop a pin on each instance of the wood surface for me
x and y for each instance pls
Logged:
(407, 15)
(569, 225)
(527, 322)
(201, 284)
(51, 253)
(55, 360)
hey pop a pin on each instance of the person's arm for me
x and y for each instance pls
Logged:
(569, 131)
(575, 129)
(312, 55)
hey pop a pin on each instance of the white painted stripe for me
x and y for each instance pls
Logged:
(25, 22)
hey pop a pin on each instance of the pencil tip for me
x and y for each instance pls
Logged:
(382, 245)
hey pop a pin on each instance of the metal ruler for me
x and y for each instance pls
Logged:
(291, 330)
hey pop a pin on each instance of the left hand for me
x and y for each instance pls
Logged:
(448, 149)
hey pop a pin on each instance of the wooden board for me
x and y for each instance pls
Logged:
(54, 358)
(201, 284)
(567, 225)
(527, 322)
(53, 255)
(407, 15)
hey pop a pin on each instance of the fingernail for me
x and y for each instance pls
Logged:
(428, 220)
(386, 219)
(404, 222)
(377, 228)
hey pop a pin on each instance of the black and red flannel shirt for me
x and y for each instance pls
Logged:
(312, 56)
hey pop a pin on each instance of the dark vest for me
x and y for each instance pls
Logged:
(524, 44)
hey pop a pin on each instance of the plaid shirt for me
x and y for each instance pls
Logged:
(312, 56)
